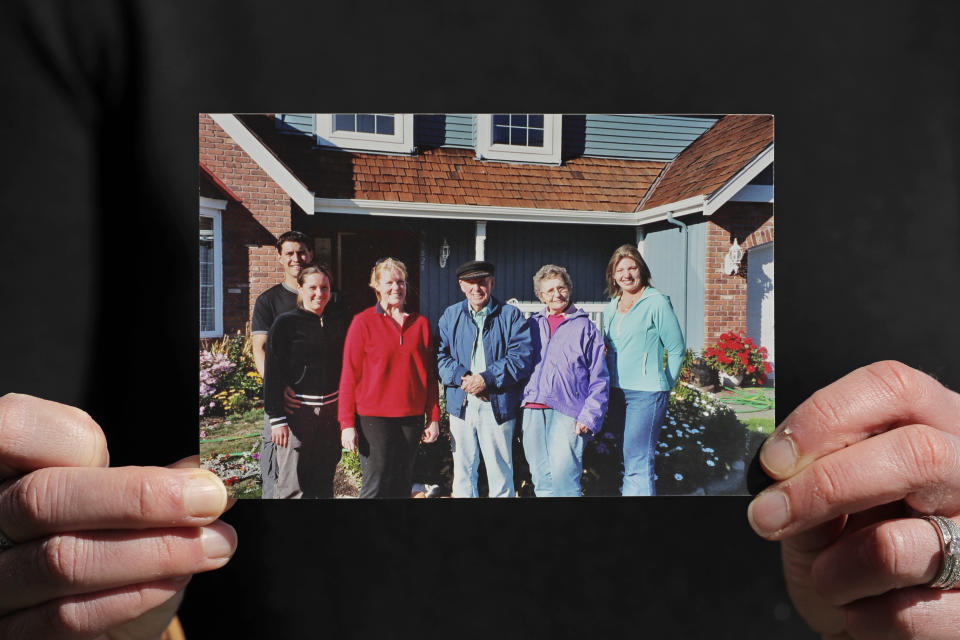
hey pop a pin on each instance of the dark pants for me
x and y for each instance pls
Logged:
(388, 449)
(307, 464)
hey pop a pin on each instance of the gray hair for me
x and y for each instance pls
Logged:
(548, 271)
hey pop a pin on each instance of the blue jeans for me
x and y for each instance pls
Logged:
(478, 433)
(554, 452)
(635, 418)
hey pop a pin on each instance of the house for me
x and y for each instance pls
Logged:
(695, 193)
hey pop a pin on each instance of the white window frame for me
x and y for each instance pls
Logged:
(400, 142)
(549, 153)
(213, 208)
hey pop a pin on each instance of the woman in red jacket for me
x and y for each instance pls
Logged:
(388, 383)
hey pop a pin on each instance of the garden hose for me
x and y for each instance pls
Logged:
(249, 435)
(757, 400)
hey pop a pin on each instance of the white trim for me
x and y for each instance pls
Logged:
(480, 240)
(754, 193)
(210, 208)
(432, 210)
(260, 154)
(548, 154)
(678, 208)
(733, 186)
(212, 203)
(400, 142)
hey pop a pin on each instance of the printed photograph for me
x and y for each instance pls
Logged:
(485, 305)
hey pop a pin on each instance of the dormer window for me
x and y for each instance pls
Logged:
(376, 123)
(385, 132)
(519, 137)
(518, 129)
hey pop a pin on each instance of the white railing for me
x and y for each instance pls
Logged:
(594, 309)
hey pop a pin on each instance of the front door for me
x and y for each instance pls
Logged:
(357, 254)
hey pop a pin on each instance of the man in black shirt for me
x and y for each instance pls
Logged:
(295, 253)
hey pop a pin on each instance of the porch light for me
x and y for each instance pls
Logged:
(731, 262)
(444, 253)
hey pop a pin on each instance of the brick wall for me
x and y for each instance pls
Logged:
(725, 296)
(250, 227)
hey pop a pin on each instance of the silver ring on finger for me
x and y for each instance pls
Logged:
(5, 541)
(949, 531)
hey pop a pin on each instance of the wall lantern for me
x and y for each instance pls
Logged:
(731, 262)
(444, 253)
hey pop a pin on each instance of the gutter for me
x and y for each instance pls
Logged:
(686, 256)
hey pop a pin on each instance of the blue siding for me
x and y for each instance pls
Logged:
(519, 249)
(663, 252)
(432, 130)
(631, 136)
(637, 137)
(296, 122)
(438, 286)
(459, 130)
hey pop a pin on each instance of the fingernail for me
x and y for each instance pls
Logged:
(769, 512)
(204, 496)
(779, 455)
(219, 540)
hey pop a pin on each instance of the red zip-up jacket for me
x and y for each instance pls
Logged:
(388, 371)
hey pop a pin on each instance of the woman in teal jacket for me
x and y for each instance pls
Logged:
(639, 325)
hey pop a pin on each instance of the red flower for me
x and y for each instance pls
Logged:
(751, 368)
(767, 367)
(744, 357)
(760, 379)
(725, 359)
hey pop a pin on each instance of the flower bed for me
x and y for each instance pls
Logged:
(229, 381)
(700, 442)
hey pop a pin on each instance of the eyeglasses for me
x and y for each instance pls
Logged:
(556, 291)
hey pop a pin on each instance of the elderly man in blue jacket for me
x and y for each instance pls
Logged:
(485, 357)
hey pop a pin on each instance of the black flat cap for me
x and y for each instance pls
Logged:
(474, 269)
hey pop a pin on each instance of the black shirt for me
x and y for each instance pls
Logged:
(305, 352)
(270, 304)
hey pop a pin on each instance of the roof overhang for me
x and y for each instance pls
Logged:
(265, 159)
(737, 188)
(740, 179)
(438, 211)
(310, 204)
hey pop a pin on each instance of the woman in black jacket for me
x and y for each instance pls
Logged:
(305, 353)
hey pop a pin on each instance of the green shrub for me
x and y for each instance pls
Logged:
(351, 464)
(700, 441)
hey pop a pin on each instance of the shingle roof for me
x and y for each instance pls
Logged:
(713, 158)
(455, 176)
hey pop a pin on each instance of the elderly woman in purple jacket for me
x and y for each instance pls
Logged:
(566, 397)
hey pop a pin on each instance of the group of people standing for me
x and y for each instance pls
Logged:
(372, 387)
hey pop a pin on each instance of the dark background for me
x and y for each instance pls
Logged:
(98, 262)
